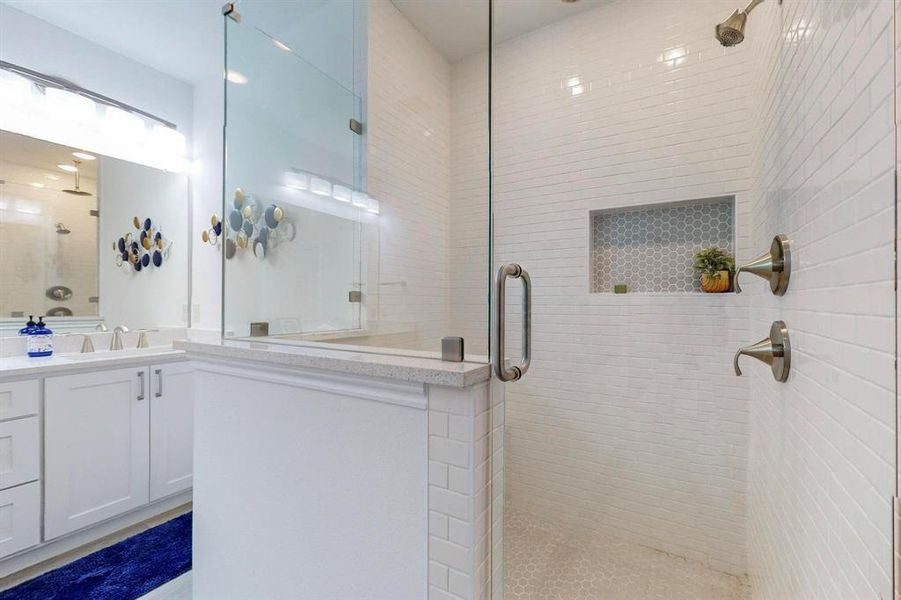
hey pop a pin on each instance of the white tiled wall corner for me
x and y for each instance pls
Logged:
(469, 210)
(822, 453)
(630, 421)
(408, 162)
(459, 486)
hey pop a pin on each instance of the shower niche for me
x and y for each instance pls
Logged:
(650, 248)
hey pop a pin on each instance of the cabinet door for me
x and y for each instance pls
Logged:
(20, 518)
(171, 429)
(96, 447)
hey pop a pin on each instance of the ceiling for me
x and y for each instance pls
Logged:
(458, 28)
(43, 156)
(181, 38)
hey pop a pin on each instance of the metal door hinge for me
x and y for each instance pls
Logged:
(355, 296)
(452, 349)
(356, 127)
(229, 11)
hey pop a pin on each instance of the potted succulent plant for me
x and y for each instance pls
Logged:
(716, 267)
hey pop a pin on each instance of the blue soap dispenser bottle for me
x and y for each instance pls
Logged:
(40, 340)
(29, 326)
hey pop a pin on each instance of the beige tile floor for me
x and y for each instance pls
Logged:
(545, 564)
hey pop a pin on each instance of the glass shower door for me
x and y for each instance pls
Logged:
(627, 139)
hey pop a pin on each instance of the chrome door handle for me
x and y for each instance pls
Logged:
(503, 372)
(774, 351)
(775, 266)
(159, 383)
(141, 393)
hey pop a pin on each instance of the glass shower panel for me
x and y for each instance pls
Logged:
(294, 214)
(391, 219)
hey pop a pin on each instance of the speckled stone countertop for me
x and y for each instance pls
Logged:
(402, 368)
(15, 367)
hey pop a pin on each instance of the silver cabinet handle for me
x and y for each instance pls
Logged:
(774, 351)
(513, 271)
(774, 266)
(159, 382)
(141, 393)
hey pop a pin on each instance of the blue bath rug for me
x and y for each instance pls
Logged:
(123, 571)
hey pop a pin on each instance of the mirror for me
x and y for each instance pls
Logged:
(86, 238)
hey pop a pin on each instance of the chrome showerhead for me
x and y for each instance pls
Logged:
(732, 31)
(62, 229)
(77, 191)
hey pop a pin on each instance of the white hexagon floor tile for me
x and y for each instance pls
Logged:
(543, 563)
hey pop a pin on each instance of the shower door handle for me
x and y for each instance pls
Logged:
(513, 271)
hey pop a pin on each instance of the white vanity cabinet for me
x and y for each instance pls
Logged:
(96, 448)
(114, 440)
(171, 429)
(20, 490)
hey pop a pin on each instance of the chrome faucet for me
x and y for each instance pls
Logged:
(116, 342)
(87, 345)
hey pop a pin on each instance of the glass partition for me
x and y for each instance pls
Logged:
(362, 125)
(294, 211)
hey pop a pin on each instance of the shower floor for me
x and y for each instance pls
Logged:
(543, 563)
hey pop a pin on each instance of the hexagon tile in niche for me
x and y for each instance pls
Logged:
(651, 248)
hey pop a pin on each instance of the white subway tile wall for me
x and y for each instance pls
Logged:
(822, 458)
(409, 173)
(459, 491)
(630, 421)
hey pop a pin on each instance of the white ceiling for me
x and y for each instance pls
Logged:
(181, 38)
(458, 28)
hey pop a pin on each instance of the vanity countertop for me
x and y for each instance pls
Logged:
(368, 364)
(24, 366)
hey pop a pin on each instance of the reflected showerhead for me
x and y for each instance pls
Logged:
(61, 229)
(77, 191)
(732, 31)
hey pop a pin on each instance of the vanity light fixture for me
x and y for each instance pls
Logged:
(360, 199)
(321, 187)
(341, 193)
(297, 181)
(68, 168)
(59, 111)
(236, 77)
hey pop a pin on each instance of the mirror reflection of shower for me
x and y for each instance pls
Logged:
(77, 191)
(731, 32)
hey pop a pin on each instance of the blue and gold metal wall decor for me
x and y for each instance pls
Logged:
(248, 226)
(142, 248)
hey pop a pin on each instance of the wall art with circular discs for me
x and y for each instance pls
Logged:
(249, 226)
(142, 248)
